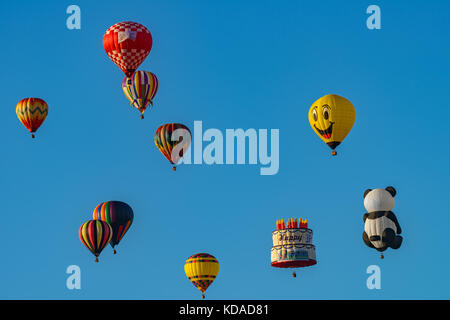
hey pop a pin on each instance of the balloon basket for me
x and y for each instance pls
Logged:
(114, 251)
(32, 136)
(381, 256)
(142, 116)
(174, 168)
(333, 153)
(294, 275)
(203, 296)
(96, 259)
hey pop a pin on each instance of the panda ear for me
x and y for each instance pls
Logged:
(392, 191)
(366, 192)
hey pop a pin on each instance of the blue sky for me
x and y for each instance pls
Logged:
(253, 64)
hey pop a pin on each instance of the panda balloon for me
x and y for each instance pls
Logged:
(381, 227)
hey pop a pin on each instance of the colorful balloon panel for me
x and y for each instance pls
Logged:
(127, 44)
(32, 113)
(95, 235)
(140, 89)
(163, 140)
(332, 117)
(118, 215)
(201, 269)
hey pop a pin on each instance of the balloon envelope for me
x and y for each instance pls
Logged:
(118, 215)
(173, 139)
(32, 113)
(381, 227)
(332, 117)
(201, 269)
(140, 89)
(95, 235)
(127, 44)
(292, 244)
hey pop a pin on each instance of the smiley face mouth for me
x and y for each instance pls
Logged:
(327, 132)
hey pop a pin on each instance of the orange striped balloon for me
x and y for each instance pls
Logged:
(32, 113)
(171, 145)
(95, 235)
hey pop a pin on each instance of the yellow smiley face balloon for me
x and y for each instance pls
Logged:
(332, 117)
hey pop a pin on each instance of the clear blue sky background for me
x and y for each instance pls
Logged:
(233, 64)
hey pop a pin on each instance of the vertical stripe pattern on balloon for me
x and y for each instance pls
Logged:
(95, 235)
(163, 140)
(140, 89)
(116, 213)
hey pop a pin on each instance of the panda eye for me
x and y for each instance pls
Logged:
(326, 112)
(314, 113)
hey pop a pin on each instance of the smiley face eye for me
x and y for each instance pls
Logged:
(314, 113)
(326, 112)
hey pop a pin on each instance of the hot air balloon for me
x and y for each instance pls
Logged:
(381, 227)
(118, 215)
(127, 45)
(332, 117)
(95, 235)
(201, 269)
(292, 245)
(140, 89)
(172, 142)
(32, 113)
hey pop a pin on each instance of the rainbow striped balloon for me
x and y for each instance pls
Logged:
(166, 143)
(118, 215)
(95, 235)
(201, 269)
(32, 113)
(140, 89)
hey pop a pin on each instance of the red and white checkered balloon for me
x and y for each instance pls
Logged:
(127, 45)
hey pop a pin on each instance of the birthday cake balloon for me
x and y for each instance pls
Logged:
(292, 245)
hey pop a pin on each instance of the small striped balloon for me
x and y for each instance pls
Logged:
(166, 141)
(140, 89)
(95, 235)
